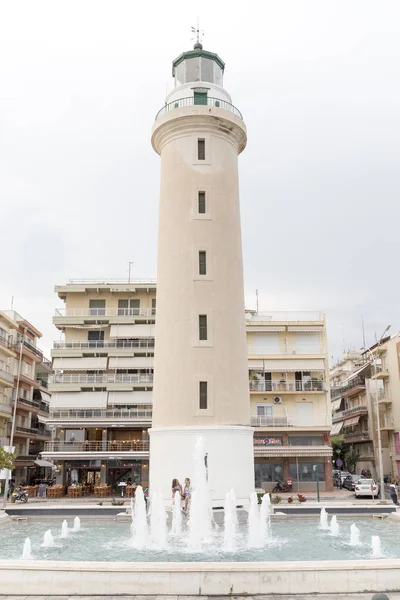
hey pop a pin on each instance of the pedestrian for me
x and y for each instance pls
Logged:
(187, 494)
(393, 494)
(176, 487)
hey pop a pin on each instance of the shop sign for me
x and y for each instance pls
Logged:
(268, 441)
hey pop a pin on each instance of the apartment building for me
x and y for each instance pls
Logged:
(362, 401)
(22, 364)
(101, 406)
(102, 382)
(289, 396)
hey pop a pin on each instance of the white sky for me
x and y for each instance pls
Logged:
(318, 84)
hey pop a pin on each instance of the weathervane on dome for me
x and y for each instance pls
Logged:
(198, 35)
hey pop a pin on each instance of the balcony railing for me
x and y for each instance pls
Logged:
(42, 382)
(139, 343)
(29, 345)
(103, 378)
(44, 407)
(254, 350)
(379, 368)
(190, 101)
(100, 413)
(28, 402)
(5, 408)
(28, 430)
(298, 317)
(338, 391)
(46, 362)
(105, 312)
(360, 436)
(287, 386)
(106, 281)
(106, 446)
(6, 342)
(269, 421)
(6, 375)
(43, 432)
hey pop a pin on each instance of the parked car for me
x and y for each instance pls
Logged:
(350, 481)
(339, 477)
(366, 487)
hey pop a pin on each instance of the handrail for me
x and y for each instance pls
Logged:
(103, 378)
(139, 343)
(255, 350)
(287, 386)
(106, 446)
(337, 391)
(207, 101)
(102, 413)
(7, 375)
(105, 312)
(109, 281)
(28, 402)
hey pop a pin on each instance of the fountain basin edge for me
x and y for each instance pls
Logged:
(195, 578)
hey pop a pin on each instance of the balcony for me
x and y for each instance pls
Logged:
(102, 379)
(292, 350)
(7, 343)
(142, 415)
(6, 378)
(354, 386)
(357, 436)
(29, 405)
(269, 421)
(106, 449)
(28, 345)
(42, 382)
(386, 423)
(43, 433)
(25, 431)
(110, 281)
(207, 101)
(104, 312)
(380, 371)
(5, 410)
(355, 410)
(287, 386)
(94, 344)
(43, 407)
(383, 397)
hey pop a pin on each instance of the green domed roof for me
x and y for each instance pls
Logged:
(196, 52)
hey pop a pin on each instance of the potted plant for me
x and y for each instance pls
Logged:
(301, 498)
(290, 499)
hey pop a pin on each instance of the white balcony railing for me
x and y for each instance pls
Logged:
(269, 421)
(6, 375)
(260, 350)
(106, 446)
(108, 281)
(105, 312)
(139, 343)
(285, 316)
(287, 386)
(66, 378)
(139, 414)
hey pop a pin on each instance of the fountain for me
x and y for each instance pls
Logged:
(334, 526)
(354, 535)
(176, 526)
(323, 520)
(158, 521)
(64, 529)
(26, 551)
(48, 540)
(77, 524)
(139, 527)
(265, 519)
(230, 522)
(201, 517)
(376, 546)
(253, 523)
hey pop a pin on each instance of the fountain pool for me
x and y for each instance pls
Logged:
(288, 540)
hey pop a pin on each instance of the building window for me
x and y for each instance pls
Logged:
(203, 327)
(97, 308)
(202, 263)
(298, 440)
(306, 472)
(200, 97)
(266, 473)
(203, 400)
(127, 308)
(153, 306)
(264, 410)
(95, 339)
(201, 149)
(202, 203)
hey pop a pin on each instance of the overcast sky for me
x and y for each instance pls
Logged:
(318, 84)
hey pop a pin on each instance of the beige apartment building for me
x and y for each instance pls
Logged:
(22, 360)
(101, 406)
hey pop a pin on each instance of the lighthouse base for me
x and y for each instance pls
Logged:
(229, 457)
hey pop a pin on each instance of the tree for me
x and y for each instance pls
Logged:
(6, 459)
(341, 450)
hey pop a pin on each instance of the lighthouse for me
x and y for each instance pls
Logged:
(201, 386)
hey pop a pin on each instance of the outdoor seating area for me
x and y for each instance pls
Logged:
(102, 490)
(31, 489)
(55, 491)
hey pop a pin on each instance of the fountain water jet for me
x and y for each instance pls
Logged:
(230, 522)
(176, 526)
(265, 519)
(323, 520)
(334, 526)
(48, 540)
(64, 529)
(354, 535)
(158, 521)
(201, 517)
(376, 546)
(26, 551)
(253, 523)
(77, 524)
(139, 527)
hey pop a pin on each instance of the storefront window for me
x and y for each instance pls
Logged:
(296, 440)
(306, 472)
(268, 472)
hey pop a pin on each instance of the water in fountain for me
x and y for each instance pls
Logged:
(253, 523)
(334, 526)
(64, 529)
(26, 551)
(201, 517)
(77, 524)
(376, 546)
(176, 526)
(230, 522)
(265, 519)
(139, 527)
(354, 535)
(158, 521)
(48, 540)
(323, 519)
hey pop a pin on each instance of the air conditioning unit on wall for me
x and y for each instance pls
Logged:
(277, 400)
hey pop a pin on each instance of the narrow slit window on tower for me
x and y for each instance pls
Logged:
(202, 263)
(201, 149)
(202, 327)
(202, 202)
(203, 400)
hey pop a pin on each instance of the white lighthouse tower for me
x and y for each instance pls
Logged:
(201, 376)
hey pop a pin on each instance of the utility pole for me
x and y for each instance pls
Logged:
(316, 471)
(130, 263)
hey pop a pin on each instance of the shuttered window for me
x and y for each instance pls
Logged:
(202, 327)
(201, 149)
(203, 400)
(202, 203)
(202, 263)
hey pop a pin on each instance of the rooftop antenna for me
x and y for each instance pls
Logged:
(12, 302)
(257, 300)
(198, 35)
(130, 263)
(363, 330)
